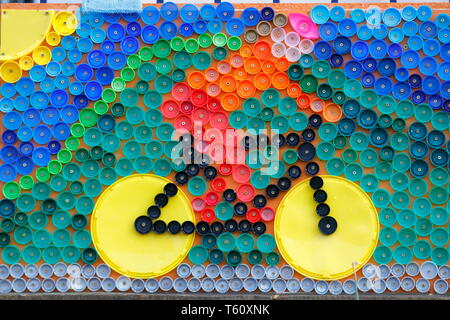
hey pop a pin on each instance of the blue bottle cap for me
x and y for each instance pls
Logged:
(200, 26)
(31, 117)
(235, 27)
(62, 82)
(150, 15)
(225, 11)
(250, 16)
(319, 14)
(445, 52)
(24, 165)
(169, 11)
(336, 60)
(97, 35)
(186, 29)
(435, 101)
(107, 46)
(37, 73)
(439, 157)
(401, 90)
(410, 28)
(6, 105)
(267, 13)
(74, 56)
(392, 17)
(328, 31)
(357, 15)
(418, 150)
(68, 68)
(369, 64)
(442, 20)
(208, 12)
(418, 96)
(149, 34)
(9, 154)
(323, 50)
(104, 76)
(50, 115)
(401, 74)
(341, 45)
(12, 120)
(214, 26)
(42, 134)
(68, 42)
(424, 13)
(9, 136)
(96, 20)
(367, 118)
(353, 69)
(379, 137)
(26, 148)
(346, 126)
(76, 88)
(39, 99)
(130, 16)
(408, 13)
(428, 29)
(430, 85)
(47, 85)
(419, 168)
(337, 13)
(117, 60)
(21, 103)
(41, 156)
(360, 50)
(59, 98)
(83, 72)
(444, 35)
(415, 80)
(54, 146)
(428, 66)
(431, 47)
(168, 30)
(61, 131)
(83, 30)
(129, 45)
(69, 114)
(386, 66)
(189, 13)
(364, 32)
(96, 59)
(85, 45)
(111, 17)
(25, 134)
(115, 32)
(380, 32)
(347, 27)
(53, 68)
(25, 87)
(395, 50)
(383, 86)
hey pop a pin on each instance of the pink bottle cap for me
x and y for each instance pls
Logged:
(199, 97)
(241, 173)
(181, 91)
(170, 109)
(183, 123)
(198, 204)
(186, 107)
(201, 115)
(267, 214)
(212, 198)
(225, 169)
(219, 120)
(246, 192)
(213, 104)
(216, 152)
(304, 26)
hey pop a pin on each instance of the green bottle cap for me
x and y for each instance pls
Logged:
(219, 39)
(77, 130)
(191, 45)
(145, 53)
(234, 43)
(11, 190)
(134, 61)
(177, 44)
(205, 40)
(161, 48)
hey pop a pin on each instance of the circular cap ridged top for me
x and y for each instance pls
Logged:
(117, 242)
(327, 257)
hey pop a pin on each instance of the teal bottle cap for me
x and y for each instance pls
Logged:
(124, 167)
(369, 182)
(245, 242)
(382, 255)
(383, 170)
(226, 242)
(335, 166)
(31, 254)
(403, 254)
(440, 256)
(388, 236)
(421, 207)
(369, 158)
(407, 237)
(422, 249)
(70, 254)
(325, 150)
(349, 155)
(61, 219)
(381, 198)
(198, 254)
(328, 131)
(197, 186)
(51, 255)
(61, 238)
(353, 172)
(399, 181)
(417, 187)
(254, 256)
(224, 210)
(406, 218)
(387, 216)
(266, 243)
(423, 227)
(439, 216)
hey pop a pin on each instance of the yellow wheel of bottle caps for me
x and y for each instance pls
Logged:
(121, 246)
(327, 257)
(10, 71)
(53, 38)
(26, 63)
(64, 22)
(42, 55)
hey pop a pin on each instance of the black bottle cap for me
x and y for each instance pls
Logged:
(306, 152)
(259, 201)
(294, 172)
(245, 226)
(278, 140)
(249, 142)
(229, 195)
(315, 120)
(143, 224)
(153, 212)
(188, 227)
(231, 225)
(240, 209)
(316, 182)
(284, 183)
(210, 173)
(320, 196)
(327, 225)
(312, 168)
(292, 139)
(204, 161)
(259, 228)
(161, 200)
(192, 169)
(308, 135)
(174, 227)
(322, 209)
(203, 228)
(170, 189)
(217, 227)
(181, 178)
(159, 226)
(272, 191)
